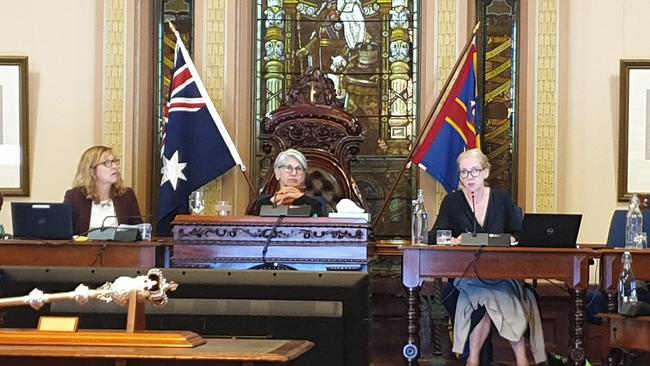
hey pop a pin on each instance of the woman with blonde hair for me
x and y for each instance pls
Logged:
(98, 195)
(505, 304)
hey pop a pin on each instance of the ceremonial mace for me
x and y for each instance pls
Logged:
(150, 288)
(131, 291)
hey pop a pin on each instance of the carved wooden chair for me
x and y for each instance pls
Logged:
(313, 122)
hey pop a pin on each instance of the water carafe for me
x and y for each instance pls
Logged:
(626, 285)
(633, 222)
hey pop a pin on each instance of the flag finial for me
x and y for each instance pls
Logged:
(171, 26)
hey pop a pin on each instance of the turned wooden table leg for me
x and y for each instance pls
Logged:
(411, 350)
(611, 302)
(577, 324)
(439, 326)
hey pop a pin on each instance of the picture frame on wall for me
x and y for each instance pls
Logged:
(14, 107)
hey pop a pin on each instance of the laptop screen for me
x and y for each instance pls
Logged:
(42, 220)
(550, 230)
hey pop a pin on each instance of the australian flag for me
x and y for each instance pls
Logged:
(456, 128)
(195, 147)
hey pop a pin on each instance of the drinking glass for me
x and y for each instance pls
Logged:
(223, 208)
(641, 241)
(443, 237)
(145, 231)
(197, 203)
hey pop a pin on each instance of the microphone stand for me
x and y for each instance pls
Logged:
(272, 234)
(473, 216)
(102, 228)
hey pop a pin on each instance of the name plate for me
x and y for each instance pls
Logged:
(58, 323)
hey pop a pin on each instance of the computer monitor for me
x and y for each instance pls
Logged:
(42, 220)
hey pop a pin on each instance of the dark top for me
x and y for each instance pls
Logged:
(126, 208)
(265, 199)
(456, 215)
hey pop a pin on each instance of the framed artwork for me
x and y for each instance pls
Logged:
(14, 105)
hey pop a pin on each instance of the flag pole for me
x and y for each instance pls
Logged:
(242, 167)
(248, 179)
(425, 126)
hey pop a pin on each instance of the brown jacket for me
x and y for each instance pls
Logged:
(126, 208)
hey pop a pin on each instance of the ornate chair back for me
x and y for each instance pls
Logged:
(313, 122)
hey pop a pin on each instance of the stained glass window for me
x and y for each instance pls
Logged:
(499, 51)
(369, 49)
(180, 13)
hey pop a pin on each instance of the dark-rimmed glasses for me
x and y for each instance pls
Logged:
(467, 173)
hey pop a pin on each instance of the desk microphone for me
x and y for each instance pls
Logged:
(473, 215)
(101, 228)
(272, 234)
(111, 233)
(104, 227)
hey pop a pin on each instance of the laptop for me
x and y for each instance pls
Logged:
(42, 220)
(550, 230)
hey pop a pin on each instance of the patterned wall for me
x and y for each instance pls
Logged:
(546, 107)
(113, 78)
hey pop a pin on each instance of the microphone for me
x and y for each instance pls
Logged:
(473, 215)
(112, 233)
(104, 227)
(101, 228)
(272, 234)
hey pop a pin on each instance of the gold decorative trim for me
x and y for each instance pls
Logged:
(546, 107)
(447, 54)
(113, 78)
(214, 81)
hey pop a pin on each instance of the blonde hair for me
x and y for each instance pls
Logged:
(476, 154)
(90, 158)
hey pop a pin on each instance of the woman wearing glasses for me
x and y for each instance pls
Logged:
(290, 170)
(476, 208)
(98, 196)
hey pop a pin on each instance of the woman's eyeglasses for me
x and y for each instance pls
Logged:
(290, 169)
(473, 173)
(109, 163)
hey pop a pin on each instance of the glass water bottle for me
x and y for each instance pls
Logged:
(626, 284)
(419, 221)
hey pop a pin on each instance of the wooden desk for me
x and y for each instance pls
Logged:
(622, 333)
(611, 270)
(222, 352)
(625, 333)
(302, 243)
(422, 263)
(66, 253)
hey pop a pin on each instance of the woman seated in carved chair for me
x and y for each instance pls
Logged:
(290, 169)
